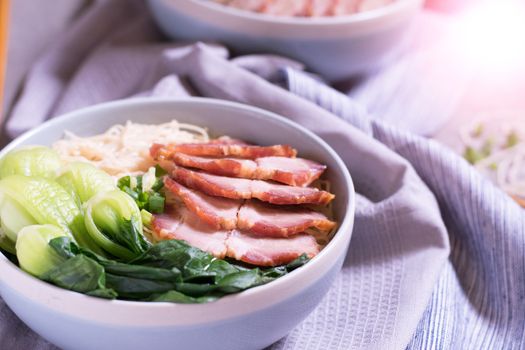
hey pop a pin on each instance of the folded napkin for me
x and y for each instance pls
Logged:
(437, 254)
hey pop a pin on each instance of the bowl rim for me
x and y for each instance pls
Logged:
(125, 312)
(257, 25)
(390, 9)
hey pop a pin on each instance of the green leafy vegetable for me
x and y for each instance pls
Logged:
(137, 288)
(144, 272)
(83, 181)
(178, 254)
(30, 161)
(176, 297)
(34, 200)
(145, 190)
(241, 280)
(65, 247)
(170, 271)
(300, 261)
(80, 274)
(114, 222)
(33, 251)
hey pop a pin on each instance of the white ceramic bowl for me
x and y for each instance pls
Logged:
(249, 320)
(335, 47)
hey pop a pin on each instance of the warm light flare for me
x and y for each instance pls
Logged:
(492, 35)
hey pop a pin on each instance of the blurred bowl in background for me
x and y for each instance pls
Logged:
(335, 47)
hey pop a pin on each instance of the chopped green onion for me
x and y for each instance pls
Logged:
(512, 139)
(487, 147)
(145, 190)
(472, 156)
(156, 204)
(478, 131)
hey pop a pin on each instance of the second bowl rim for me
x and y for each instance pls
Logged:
(256, 25)
(391, 8)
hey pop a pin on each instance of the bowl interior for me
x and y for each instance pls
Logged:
(221, 118)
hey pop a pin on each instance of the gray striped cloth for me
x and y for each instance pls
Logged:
(436, 259)
(479, 300)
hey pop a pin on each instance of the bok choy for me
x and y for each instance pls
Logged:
(33, 251)
(114, 221)
(35, 200)
(83, 181)
(30, 161)
(6, 243)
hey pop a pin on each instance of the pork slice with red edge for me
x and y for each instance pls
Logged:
(243, 168)
(237, 188)
(252, 216)
(290, 171)
(265, 220)
(181, 224)
(222, 150)
(288, 195)
(269, 251)
(218, 212)
(158, 150)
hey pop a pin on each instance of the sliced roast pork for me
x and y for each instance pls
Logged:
(222, 150)
(290, 171)
(218, 212)
(246, 189)
(269, 251)
(244, 168)
(231, 205)
(255, 217)
(265, 220)
(183, 225)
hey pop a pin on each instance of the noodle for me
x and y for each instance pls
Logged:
(124, 149)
